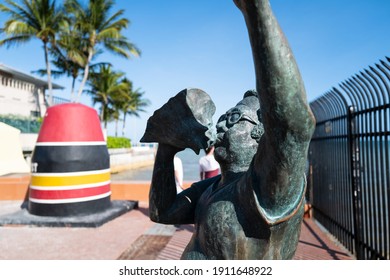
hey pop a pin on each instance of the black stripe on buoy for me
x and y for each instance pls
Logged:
(47, 159)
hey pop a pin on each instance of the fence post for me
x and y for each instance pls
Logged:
(355, 180)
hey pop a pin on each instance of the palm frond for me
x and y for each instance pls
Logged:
(15, 40)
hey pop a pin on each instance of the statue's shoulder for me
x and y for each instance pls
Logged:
(198, 188)
(207, 182)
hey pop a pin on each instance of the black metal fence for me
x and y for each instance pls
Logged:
(349, 178)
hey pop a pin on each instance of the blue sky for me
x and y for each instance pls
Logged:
(204, 44)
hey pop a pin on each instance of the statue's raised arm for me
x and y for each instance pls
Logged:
(288, 123)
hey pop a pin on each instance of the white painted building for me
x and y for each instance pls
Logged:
(23, 94)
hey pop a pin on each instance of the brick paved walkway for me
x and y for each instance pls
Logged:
(131, 236)
(314, 244)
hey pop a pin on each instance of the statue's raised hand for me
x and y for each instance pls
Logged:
(238, 3)
(185, 121)
(248, 5)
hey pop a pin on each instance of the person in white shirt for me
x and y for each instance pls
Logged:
(208, 166)
(178, 166)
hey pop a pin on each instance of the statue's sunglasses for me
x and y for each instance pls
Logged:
(233, 117)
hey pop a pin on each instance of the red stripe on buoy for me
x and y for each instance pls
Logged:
(66, 194)
(70, 122)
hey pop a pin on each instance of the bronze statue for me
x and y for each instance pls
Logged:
(254, 209)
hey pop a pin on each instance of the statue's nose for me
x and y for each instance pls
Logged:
(211, 135)
(221, 126)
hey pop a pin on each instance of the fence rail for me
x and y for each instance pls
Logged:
(59, 100)
(349, 156)
(24, 124)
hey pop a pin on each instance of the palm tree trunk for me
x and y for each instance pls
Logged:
(85, 77)
(72, 89)
(116, 128)
(102, 114)
(124, 125)
(48, 69)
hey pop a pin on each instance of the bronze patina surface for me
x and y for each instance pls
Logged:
(254, 209)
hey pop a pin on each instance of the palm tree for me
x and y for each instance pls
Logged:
(135, 103)
(66, 65)
(32, 19)
(98, 28)
(68, 53)
(105, 86)
(117, 102)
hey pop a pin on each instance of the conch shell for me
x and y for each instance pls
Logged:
(185, 121)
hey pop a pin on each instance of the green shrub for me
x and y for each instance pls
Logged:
(118, 142)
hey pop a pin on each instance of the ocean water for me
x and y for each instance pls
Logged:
(188, 157)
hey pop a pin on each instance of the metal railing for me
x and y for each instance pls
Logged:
(59, 100)
(24, 124)
(349, 155)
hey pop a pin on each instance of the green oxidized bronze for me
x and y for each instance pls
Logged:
(254, 209)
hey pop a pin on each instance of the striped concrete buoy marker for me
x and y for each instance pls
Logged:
(70, 164)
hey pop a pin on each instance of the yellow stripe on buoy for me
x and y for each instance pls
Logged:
(57, 180)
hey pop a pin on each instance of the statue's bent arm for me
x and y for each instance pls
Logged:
(165, 206)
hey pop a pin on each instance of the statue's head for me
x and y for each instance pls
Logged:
(238, 133)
